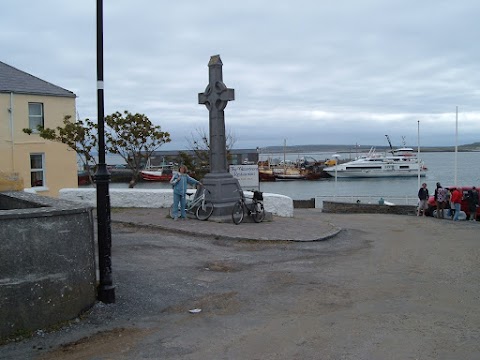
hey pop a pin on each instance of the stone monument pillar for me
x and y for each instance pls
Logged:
(223, 186)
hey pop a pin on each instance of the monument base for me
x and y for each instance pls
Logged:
(224, 193)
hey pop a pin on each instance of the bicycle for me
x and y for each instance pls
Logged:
(254, 209)
(199, 206)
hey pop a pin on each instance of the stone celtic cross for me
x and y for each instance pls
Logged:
(215, 98)
(224, 188)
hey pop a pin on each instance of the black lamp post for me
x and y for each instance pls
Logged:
(106, 290)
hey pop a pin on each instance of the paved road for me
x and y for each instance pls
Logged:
(385, 287)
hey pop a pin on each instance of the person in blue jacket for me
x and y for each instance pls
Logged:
(180, 183)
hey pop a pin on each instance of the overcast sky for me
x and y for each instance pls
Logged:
(308, 71)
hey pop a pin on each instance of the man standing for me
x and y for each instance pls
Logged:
(457, 201)
(423, 199)
(472, 199)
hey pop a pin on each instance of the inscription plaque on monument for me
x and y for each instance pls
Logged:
(223, 186)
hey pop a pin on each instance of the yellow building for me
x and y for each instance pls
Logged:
(26, 102)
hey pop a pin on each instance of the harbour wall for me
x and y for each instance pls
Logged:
(361, 208)
(304, 204)
(47, 262)
(279, 205)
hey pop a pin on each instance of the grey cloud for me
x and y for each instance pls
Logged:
(340, 72)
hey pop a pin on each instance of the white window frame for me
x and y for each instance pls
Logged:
(42, 170)
(34, 119)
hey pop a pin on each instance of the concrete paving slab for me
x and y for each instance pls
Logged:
(305, 225)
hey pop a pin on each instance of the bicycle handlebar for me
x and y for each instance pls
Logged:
(242, 195)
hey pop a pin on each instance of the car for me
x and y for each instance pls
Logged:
(463, 207)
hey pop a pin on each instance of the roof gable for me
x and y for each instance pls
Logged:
(20, 82)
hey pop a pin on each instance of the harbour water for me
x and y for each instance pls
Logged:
(441, 168)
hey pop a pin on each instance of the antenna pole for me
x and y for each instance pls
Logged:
(456, 145)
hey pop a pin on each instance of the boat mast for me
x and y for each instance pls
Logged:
(456, 145)
(418, 152)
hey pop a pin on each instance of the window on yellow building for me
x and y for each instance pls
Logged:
(37, 170)
(35, 115)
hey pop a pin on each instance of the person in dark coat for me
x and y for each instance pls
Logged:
(423, 199)
(472, 199)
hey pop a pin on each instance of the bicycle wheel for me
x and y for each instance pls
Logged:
(258, 213)
(191, 213)
(190, 210)
(205, 210)
(237, 212)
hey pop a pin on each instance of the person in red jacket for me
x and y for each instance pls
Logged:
(457, 201)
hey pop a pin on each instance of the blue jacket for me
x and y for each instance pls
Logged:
(180, 183)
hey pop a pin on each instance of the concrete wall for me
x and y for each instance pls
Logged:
(47, 262)
(304, 204)
(278, 205)
(353, 208)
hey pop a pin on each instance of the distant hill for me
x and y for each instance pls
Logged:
(351, 148)
(471, 147)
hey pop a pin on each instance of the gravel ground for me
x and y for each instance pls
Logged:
(385, 287)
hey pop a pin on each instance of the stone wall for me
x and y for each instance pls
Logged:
(279, 205)
(304, 204)
(354, 208)
(47, 262)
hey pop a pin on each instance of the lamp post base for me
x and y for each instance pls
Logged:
(106, 294)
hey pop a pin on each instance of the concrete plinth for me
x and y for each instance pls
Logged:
(224, 193)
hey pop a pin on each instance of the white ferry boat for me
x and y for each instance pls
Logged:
(402, 162)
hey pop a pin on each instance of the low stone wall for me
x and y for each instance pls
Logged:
(354, 208)
(304, 204)
(279, 205)
(47, 262)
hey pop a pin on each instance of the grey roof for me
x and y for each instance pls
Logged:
(20, 82)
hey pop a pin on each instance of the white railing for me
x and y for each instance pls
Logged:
(367, 199)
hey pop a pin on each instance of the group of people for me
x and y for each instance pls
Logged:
(448, 200)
